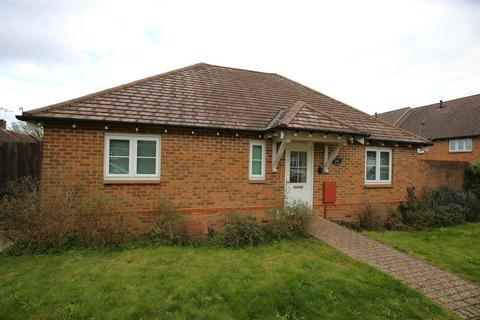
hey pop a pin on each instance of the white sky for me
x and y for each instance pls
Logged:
(373, 55)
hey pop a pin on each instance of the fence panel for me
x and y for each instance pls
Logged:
(18, 159)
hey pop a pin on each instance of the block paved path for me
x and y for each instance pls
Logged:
(456, 294)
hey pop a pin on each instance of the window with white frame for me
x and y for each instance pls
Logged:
(132, 157)
(460, 145)
(257, 160)
(378, 165)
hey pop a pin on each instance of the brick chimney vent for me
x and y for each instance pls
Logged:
(3, 124)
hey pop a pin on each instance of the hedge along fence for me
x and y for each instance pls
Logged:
(19, 159)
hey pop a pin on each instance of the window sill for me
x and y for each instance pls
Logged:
(257, 181)
(378, 186)
(468, 151)
(131, 181)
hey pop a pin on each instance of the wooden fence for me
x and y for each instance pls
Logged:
(18, 159)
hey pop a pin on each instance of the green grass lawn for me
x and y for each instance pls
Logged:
(301, 279)
(455, 249)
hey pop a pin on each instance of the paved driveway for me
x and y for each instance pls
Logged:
(456, 294)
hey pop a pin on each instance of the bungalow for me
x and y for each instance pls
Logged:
(453, 127)
(213, 139)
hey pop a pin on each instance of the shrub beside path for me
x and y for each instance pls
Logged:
(453, 292)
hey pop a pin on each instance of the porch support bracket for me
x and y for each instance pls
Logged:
(278, 154)
(328, 159)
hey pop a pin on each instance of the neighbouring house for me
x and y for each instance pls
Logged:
(20, 155)
(453, 127)
(211, 139)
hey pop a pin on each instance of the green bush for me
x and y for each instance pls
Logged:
(440, 207)
(242, 230)
(292, 221)
(472, 178)
(171, 227)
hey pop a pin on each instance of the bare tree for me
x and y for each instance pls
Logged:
(22, 127)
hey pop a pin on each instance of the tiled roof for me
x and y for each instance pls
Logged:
(12, 136)
(393, 116)
(455, 118)
(208, 96)
(303, 116)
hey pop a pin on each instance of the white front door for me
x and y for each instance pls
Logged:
(299, 172)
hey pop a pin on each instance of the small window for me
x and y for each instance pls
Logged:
(257, 160)
(460, 145)
(378, 165)
(132, 157)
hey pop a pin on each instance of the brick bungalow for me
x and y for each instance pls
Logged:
(212, 139)
(453, 127)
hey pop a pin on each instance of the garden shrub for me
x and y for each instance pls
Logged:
(372, 217)
(472, 178)
(171, 227)
(440, 207)
(395, 221)
(291, 221)
(242, 230)
(61, 219)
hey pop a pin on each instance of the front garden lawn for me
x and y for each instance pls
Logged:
(455, 249)
(301, 279)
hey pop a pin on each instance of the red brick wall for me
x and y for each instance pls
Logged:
(439, 151)
(205, 174)
(437, 173)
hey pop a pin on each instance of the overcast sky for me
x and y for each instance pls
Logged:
(373, 55)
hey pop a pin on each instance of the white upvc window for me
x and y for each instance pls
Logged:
(378, 166)
(131, 157)
(256, 167)
(460, 145)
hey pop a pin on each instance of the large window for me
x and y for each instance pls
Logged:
(378, 166)
(257, 160)
(460, 145)
(132, 157)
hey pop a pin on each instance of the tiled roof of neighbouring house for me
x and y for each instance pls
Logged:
(393, 116)
(208, 96)
(450, 119)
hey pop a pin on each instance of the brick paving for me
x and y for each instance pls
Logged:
(456, 294)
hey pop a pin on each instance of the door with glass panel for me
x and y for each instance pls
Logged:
(298, 173)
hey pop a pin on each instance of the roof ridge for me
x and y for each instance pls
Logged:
(94, 94)
(403, 116)
(294, 110)
(446, 101)
(240, 69)
(393, 110)
(326, 114)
